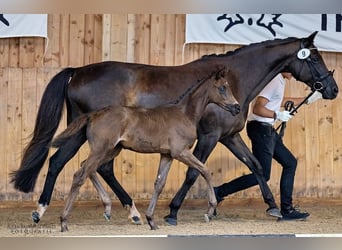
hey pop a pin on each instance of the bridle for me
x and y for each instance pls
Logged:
(304, 54)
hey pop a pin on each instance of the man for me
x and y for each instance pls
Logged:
(268, 144)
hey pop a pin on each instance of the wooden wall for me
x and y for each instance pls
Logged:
(27, 64)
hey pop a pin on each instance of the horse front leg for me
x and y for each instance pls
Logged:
(204, 146)
(163, 170)
(107, 202)
(107, 173)
(56, 164)
(238, 147)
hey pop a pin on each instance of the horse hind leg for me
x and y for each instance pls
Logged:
(56, 164)
(134, 215)
(107, 173)
(107, 202)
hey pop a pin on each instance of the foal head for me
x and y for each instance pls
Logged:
(221, 93)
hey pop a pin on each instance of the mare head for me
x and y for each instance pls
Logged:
(221, 93)
(308, 66)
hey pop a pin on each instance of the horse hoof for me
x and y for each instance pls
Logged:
(136, 220)
(35, 217)
(64, 228)
(207, 218)
(274, 212)
(154, 227)
(106, 216)
(170, 221)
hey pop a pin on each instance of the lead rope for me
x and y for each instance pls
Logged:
(289, 106)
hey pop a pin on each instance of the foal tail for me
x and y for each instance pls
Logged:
(47, 121)
(75, 126)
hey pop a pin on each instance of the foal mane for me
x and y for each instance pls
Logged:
(193, 87)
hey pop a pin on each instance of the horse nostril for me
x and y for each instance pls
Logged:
(336, 90)
(237, 108)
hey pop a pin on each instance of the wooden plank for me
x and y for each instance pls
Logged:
(26, 52)
(29, 106)
(64, 34)
(4, 52)
(296, 143)
(76, 43)
(39, 51)
(158, 39)
(98, 31)
(13, 52)
(89, 25)
(4, 80)
(179, 38)
(326, 147)
(52, 54)
(130, 38)
(142, 40)
(118, 50)
(337, 134)
(106, 38)
(14, 119)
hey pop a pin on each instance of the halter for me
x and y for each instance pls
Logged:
(304, 55)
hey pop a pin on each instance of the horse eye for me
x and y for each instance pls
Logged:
(222, 89)
(314, 59)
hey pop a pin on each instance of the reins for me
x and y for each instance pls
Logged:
(289, 106)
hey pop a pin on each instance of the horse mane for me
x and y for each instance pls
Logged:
(192, 88)
(267, 44)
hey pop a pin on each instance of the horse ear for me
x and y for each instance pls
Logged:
(309, 40)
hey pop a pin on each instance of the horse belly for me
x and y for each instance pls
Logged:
(146, 144)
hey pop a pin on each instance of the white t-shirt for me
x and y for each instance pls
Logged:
(274, 93)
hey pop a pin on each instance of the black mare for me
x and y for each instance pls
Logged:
(95, 86)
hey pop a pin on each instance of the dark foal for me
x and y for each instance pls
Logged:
(168, 130)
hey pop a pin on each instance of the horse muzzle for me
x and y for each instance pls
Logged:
(234, 109)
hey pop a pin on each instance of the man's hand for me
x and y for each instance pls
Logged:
(283, 116)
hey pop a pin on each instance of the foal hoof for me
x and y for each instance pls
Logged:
(106, 216)
(170, 221)
(207, 217)
(274, 212)
(136, 220)
(35, 217)
(64, 228)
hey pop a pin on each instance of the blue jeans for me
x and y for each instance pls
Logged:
(266, 144)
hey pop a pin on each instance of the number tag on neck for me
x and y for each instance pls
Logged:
(303, 54)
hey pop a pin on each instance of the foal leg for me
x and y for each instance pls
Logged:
(163, 170)
(107, 202)
(204, 146)
(88, 167)
(189, 159)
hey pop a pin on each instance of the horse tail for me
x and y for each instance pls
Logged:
(47, 121)
(74, 127)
